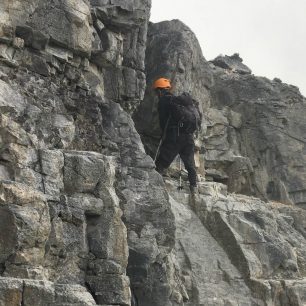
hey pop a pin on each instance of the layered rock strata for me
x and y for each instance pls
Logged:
(237, 250)
(233, 249)
(84, 217)
(267, 129)
(77, 189)
(252, 133)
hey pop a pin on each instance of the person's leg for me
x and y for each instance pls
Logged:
(187, 156)
(168, 152)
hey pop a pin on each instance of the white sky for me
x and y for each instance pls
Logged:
(270, 35)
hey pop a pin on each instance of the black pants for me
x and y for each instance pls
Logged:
(173, 145)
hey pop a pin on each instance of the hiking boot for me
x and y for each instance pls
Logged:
(162, 172)
(194, 196)
(194, 190)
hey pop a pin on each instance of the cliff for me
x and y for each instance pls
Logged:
(253, 131)
(74, 175)
(236, 249)
(84, 217)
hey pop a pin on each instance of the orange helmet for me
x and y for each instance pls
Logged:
(162, 83)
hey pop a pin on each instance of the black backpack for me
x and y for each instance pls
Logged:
(185, 112)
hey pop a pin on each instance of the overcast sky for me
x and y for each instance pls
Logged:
(270, 35)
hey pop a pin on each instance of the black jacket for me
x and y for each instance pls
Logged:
(164, 106)
(164, 109)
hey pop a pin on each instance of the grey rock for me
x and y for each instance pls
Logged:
(172, 52)
(49, 20)
(32, 38)
(52, 163)
(36, 64)
(276, 132)
(60, 53)
(10, 102)
(82, 164)
(209, 280)
(115, 48)
(56, 140)
(78, 37)
(147, 215)
(111, 50)
(47, 293)
(255, 236)
(85, 219)
(18, 43)
(27, 216)
(7, 54)
(101, 267)
(11, 291)
(251, 238)
(250, 138)
(5, 173)
(26, 33)
(40, 40)
(111, 289)
(233, 63)
(265, 246)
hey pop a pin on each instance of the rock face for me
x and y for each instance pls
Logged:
(244, 145)
(232, 63)
(269, 133)
(252, 134)
(208, 280)
(84, 217)
(238, 250)
(81, 205)
(173, 52)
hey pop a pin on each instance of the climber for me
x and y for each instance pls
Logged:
(179, 118)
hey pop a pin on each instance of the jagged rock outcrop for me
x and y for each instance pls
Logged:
(208, 280)
(237, 250)
(252, 136)
(84, 217)
(173, 52)
(256, 247)
(77, 189)
(232, 63)
(270, 133)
